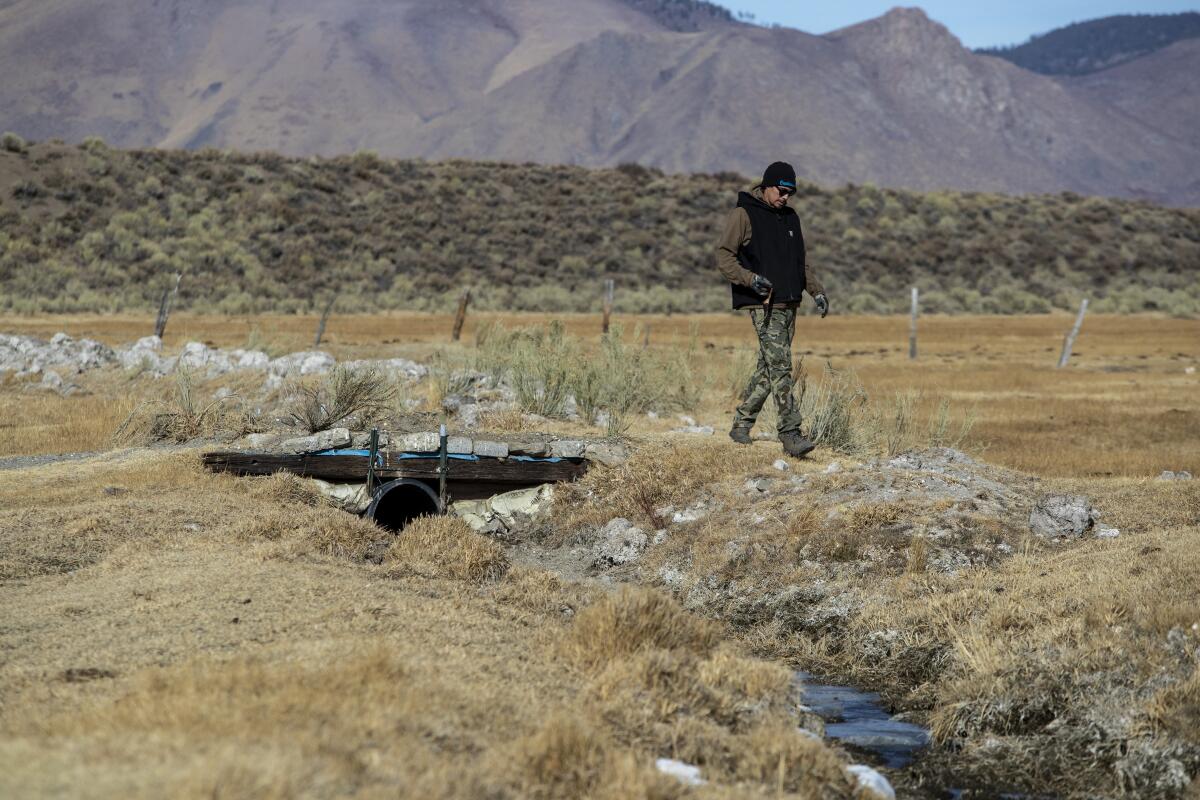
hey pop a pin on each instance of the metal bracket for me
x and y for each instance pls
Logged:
(443, 458)
(373, 456)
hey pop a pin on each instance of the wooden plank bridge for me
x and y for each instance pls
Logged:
(467, 478)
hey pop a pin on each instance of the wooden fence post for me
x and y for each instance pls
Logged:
(164, 306)
(608, 302)
(461, 316)
(321, 324)
(1069, 342)
(912, 327)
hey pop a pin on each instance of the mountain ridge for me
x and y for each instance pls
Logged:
(1084, 48)
(896, 101)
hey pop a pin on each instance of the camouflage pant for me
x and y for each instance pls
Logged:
(774, 372)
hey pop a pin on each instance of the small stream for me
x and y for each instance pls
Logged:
(857, 720)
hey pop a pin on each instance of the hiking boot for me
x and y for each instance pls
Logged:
(741, 435)
(794, 444)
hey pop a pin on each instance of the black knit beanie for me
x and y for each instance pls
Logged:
(780, 174)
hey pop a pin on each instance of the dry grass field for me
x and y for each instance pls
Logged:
(169, 632)
(1124, 407)
(176, 634)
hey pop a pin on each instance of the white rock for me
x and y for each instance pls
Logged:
(684, 773)
(350, 497)
(606, 453)
(424, 442)
(309, 362)
(1108, 533)
(872, 781)
(250, 359)
(149, 343)
(760, 485)
(702, 430)
(255, 441)
(567, 448)
(833, 467)
(1169, 475)
(688, 421)
(410, 370)
(507, 513)
(671, 576)
(325, 440)
(620, 542)
(1189, 370)
(460, 445)
(1062, 515)
(490, 449)
(689, 515)
(781, 465)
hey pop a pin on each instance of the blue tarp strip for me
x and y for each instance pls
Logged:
(459, 456)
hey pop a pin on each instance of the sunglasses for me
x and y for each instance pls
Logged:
(784, 191)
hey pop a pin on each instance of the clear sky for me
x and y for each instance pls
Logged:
(978, 23)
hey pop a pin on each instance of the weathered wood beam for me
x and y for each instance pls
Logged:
(351, 469)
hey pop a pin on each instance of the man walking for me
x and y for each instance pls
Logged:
(761, 254)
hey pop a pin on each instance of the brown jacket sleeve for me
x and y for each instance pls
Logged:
(735, 235)
(811, 284)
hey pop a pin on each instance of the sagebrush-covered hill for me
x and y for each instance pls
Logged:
(896, 101)
(89, 228)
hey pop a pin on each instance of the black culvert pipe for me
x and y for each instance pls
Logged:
(397, 503)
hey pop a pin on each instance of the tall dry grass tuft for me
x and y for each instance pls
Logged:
(446, 547)
(832, 408)
(651, 479)
(633, 620)
(646, 695)
(310, 530)
(541, 591)
(539, 363)
(781, 757)
(546, 366)
(182, 416)
(567, 758)
(286, 489)
(361, 395)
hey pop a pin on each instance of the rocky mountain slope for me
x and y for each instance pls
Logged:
(1159, 90)
(895, 101)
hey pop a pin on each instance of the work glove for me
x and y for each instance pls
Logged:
(761, 285)
(822, 304)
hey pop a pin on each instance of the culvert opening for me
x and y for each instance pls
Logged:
(399, 502)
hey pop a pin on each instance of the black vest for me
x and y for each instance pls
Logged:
(776, 251)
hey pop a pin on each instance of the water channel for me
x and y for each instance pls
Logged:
(858, 721)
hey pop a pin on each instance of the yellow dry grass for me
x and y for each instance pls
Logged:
(181, 634)
(44, 422)
(1124, 407)
(186, 634)
(446, 547)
